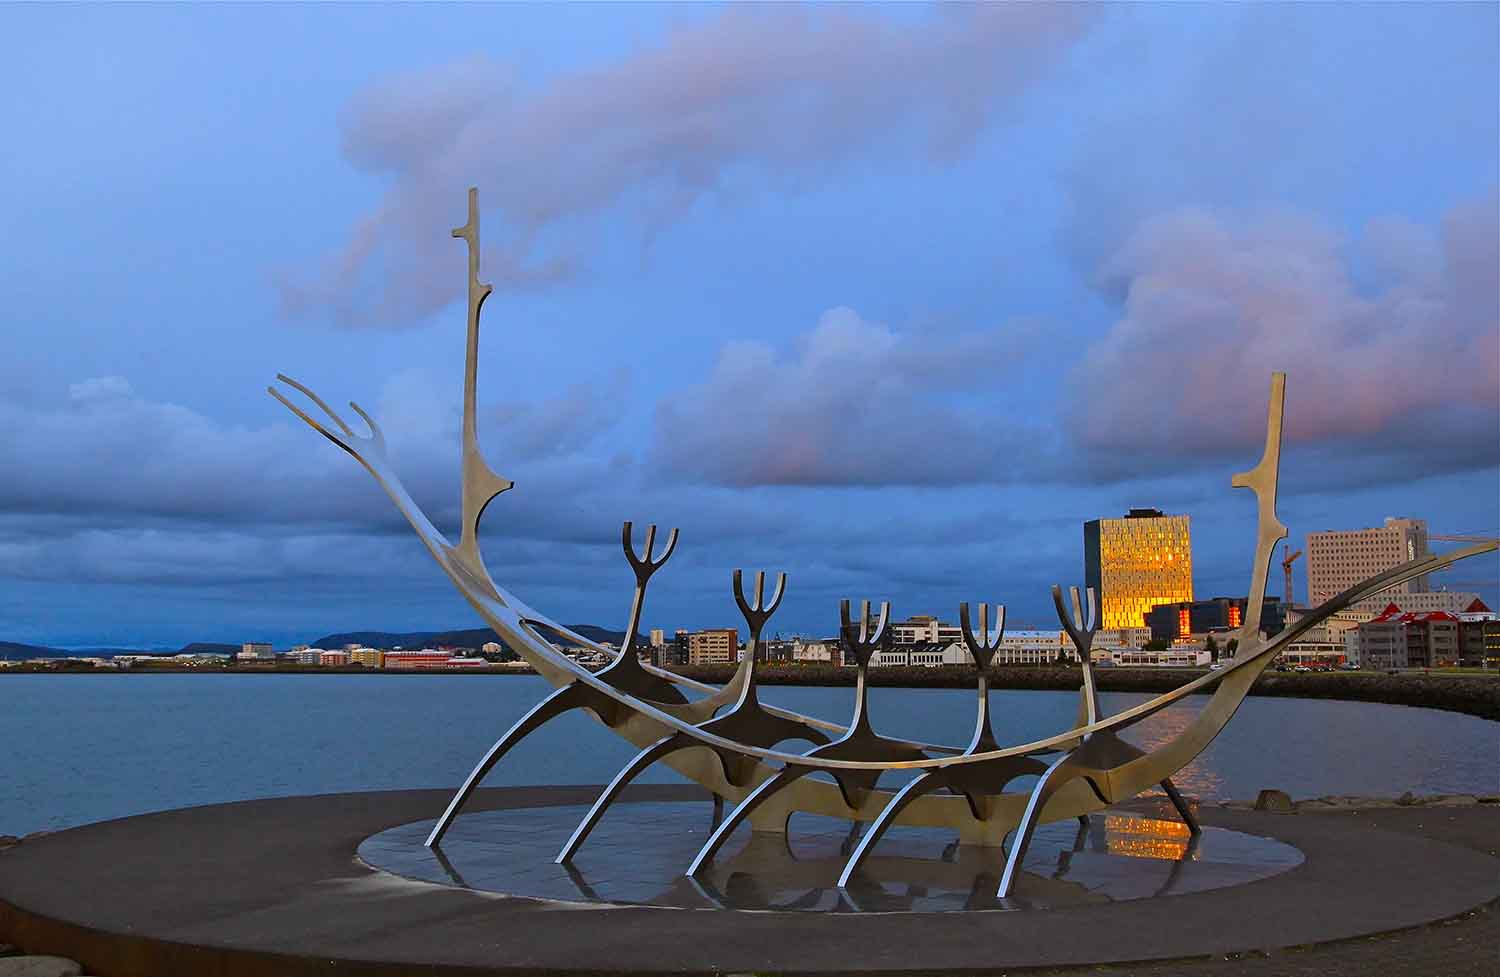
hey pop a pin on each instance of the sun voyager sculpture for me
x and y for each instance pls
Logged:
(737, 747)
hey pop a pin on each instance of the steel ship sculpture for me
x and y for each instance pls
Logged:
(739, 748)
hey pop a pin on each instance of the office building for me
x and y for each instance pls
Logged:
(716, 646)
(926, 629)
(658, 637)
(1137, 563)
(1338, 559)
(1182, 620)
(256, 651)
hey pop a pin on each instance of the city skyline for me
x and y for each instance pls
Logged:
(826, 331)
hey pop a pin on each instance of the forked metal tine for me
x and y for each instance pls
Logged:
(1093, 608)
(885, 618)
(983, 645)
(739, 596)
(757, 611)
(645, 566)
(626, 531)
(671, 545)
(1062, 615)
(862, 639)
(1078, 619)
(776, 595)
(333, 415)
(376, 434)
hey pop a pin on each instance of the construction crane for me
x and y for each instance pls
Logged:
(1286, 567)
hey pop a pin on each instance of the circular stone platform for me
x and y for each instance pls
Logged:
(277, 887)
(637, 858)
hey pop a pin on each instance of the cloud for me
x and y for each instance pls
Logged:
(776, 94)
(1320, 107)
(109, 453)
(1404, 364)
(853, 403)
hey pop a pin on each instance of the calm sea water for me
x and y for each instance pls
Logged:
(81, 748)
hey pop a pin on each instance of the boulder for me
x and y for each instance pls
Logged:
(29, 966)
(1278, 801)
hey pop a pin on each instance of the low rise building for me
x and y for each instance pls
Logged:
(368, 657)
(1479, 643)
(715, 646)
(826, 652)
(1404, 639)
(306, 656)
(426, 658)
(333, 659)
(429, 658)
(1176, 656)
(923, 629)
(256, 651)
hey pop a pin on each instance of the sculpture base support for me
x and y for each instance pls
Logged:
(229, 889)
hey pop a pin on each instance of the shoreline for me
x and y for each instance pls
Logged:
(1468, 694)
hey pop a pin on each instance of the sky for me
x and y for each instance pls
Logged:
(890, 298)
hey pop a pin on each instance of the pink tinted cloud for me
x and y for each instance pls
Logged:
(773, 92)
(1399, 324)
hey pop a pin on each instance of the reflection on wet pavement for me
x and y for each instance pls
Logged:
(638, 854)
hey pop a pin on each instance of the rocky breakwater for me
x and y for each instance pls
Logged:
(1474, 695)
(1279, 802)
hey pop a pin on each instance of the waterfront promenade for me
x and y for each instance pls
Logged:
(271, 886)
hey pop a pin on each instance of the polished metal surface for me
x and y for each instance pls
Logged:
(635, 858)
(738, 756)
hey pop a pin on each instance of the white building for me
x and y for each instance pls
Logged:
(1339, 559)
(256, 651)
(816, 651)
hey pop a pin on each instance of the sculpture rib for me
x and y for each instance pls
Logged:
(644, 722)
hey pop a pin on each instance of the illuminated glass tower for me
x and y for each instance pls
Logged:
(1136, 563)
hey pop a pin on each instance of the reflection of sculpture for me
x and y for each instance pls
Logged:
(1082, 769)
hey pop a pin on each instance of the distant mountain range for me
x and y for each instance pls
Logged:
(12, 650)
(473, 638)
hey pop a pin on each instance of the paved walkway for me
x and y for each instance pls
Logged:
(1468, 946)
(271, 889)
